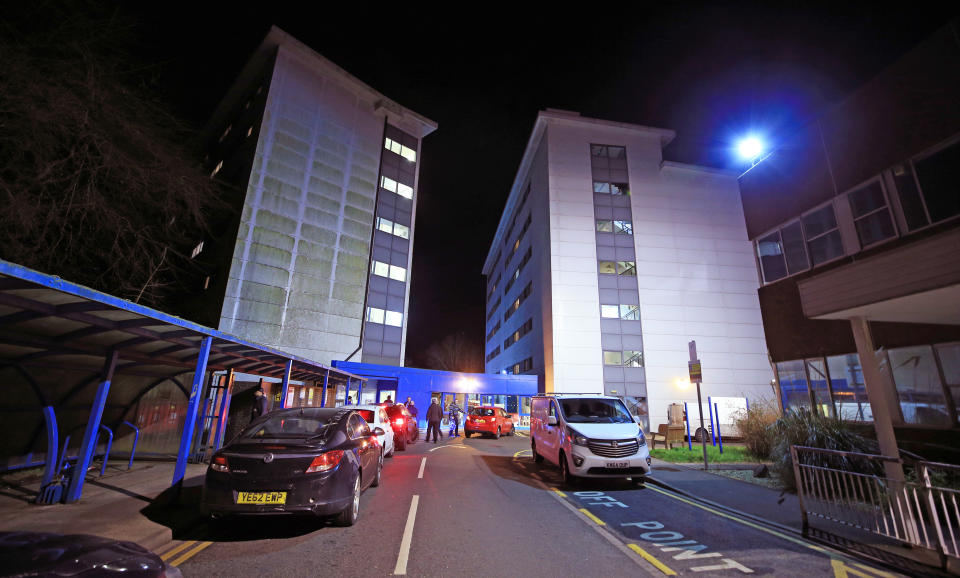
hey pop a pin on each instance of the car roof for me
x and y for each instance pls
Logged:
(487, 407)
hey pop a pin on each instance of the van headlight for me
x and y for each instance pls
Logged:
(577, 437)
(641, 441)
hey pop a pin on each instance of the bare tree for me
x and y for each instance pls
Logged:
(455, 352)
(96, 182)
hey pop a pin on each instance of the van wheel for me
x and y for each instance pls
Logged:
(568, 478)
(537, 458)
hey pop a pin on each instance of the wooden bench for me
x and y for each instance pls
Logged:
(667, 435)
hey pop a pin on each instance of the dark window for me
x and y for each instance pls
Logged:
(939, 176)
(870, 214)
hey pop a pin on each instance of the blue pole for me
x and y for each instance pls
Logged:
(106, 455)
(286, 383)
(50, 418)
(326, 378)
(63, 454)
(713, 428)
(136, 438)
(224, 410)
(719, 437)
(186, 438)
(346, 394)
(689, 439)
(748, 403)
(87, 447)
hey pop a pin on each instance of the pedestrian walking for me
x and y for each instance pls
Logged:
(259, 404)
(455, 415)
(389, 400)
(434, 416)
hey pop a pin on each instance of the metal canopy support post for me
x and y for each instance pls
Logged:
(87, 447)
(50, 418)
(186, 438)
(326, 378)
(346, 394)
(286, 383)
(224, 411)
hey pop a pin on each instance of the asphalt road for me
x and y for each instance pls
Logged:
(481, 506)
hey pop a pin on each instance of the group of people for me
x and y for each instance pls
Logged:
(435, 415)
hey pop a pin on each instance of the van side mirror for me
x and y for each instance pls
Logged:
(552, 420)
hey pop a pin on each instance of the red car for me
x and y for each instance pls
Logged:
(488, 419)
(404, 426)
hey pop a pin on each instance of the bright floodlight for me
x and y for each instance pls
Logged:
(750, 148)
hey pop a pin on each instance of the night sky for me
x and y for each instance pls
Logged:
(709, 72)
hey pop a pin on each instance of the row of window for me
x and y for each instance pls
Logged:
(516, 244)
(388, 226)
(393, 186)
(516, 273)
(493, 354)
(629, 312)
(519, 367)
(627, 358)
(404, 151)
(616, 227)
(394, 272)
(516, 215)
(518, 301)
(926, 378)
(493, 309)
(392, 318)
(494, 288)
(628, 268)
(516, 335)
(908, 197)
(495, 327)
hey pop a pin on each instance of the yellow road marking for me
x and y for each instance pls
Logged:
(558, 492)
(657, 563)
(166, 555)
(517, 455)
(190, 553)
(841, 570)
(595, 519)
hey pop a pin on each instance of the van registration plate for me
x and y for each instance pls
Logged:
(261, 497)
(618, 465)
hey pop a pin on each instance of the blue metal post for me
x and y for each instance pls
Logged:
(748, 403)
(687, 416)
(50, 418)
(186, 439)
(136, 438)
(719, 437)
(286, 383)
(713, 428)
(63, 454)
(87, 448)
(346, 394)
(106, 455)
(326, 378)
(224, 410)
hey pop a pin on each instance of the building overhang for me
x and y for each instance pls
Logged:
(916, 283)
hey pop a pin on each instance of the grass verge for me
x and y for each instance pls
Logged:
(731, 454)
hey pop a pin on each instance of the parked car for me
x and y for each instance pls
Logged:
(486, 419)
(306, 460)
(405, 429)
(588, 436)
(46, 554)
(378, 418)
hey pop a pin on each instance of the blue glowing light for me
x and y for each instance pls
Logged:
(750, 148)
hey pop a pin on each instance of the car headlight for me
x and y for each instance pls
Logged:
(577, 437)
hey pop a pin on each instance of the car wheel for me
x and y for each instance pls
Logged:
(400, 444)
(348, 516)
(466, 433)
(700, 434)
(568, 478)
(376, 478)
(537, 458)
(496, 436)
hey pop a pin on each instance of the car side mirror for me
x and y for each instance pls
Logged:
(552, 420)
(378, 431)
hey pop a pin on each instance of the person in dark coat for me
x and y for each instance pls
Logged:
(434, 417)
(259, 404)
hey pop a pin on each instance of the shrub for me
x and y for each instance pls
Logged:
(754, 427)
(803, 427)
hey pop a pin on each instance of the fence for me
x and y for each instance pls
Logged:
(851, 489)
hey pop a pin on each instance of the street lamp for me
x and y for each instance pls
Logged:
(752, 148)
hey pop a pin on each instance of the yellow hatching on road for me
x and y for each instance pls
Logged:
(194, 546)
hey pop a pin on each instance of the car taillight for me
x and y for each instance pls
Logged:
(398, 421)
(219, 464)
(325, 461)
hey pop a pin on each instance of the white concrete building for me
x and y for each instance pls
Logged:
(608, 261)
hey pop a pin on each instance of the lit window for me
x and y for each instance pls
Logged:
(401, 230)
(627, 268)
(619, 189)
(216, 169)
(385, 225)
(225, 132)
(612, 358)
(623, 227)
(398, 273)
(375, 315)
(381, 269)
(404, 151)
(388, 183)
(250, 131)
(404, 191)
(633, 359)
(601, 187)
(393, 318)
(609, 311)
(607, 267)
(605, 226)
(631, 312)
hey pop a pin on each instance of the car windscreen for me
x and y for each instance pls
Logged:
(595, 411)
(482, 411)
(287, 426)
(367, 414)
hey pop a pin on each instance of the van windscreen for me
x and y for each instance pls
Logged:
(595, 411)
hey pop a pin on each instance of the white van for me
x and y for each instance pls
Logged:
(592, 436)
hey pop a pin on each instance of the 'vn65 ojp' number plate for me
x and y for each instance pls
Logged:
(261, 498)
(618, 465)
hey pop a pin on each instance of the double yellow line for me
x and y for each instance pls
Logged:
(189, 549)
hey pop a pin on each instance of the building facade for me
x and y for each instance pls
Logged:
(315, 257)
(855, 222)
(608, 261)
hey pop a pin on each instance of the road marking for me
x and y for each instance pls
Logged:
(558, 492)
(649, 558)
(595, 519)
(423, 463)
(189, 554)
(401, 568)
(841, 570)
(172, 552)
(461, 446)
(517, 455)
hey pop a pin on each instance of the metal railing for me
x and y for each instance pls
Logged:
(851, 489)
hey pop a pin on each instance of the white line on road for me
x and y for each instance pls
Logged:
(423, 463)
(461, 446)
(401, 568)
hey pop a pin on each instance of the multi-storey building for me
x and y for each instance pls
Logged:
(609, 260)
(855, 221)
(315, 257)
